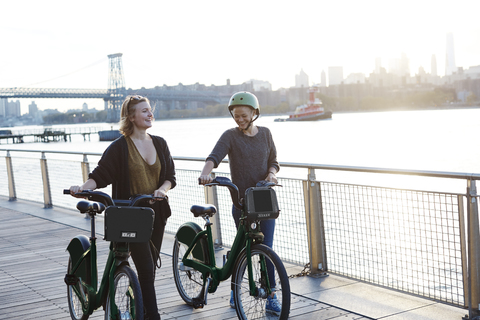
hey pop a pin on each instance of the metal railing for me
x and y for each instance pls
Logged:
(421, 242)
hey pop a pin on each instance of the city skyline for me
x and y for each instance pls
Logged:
(55, 44)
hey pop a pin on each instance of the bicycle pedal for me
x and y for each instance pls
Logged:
(198, 303)
(70, 279)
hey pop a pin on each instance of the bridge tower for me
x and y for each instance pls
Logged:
(116, 87)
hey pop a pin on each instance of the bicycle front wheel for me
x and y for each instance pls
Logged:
(127, 295)
(75, 298)
(269, 274)
(189, 282)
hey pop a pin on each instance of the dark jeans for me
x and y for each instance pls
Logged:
(268, 229)
(145, 259)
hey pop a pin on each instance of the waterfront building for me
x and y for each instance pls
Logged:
(433, 66)
(378, 65)
(323, 79)
(3, 107)
(260, 85)
(355, 78)
(301, 80)
(450, 66)
(32, 109)
(335, 75)
(13, 109)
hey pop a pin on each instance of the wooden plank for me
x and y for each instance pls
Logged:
(34, 261)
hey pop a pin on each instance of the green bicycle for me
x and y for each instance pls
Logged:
(256, 270)
(119, 292)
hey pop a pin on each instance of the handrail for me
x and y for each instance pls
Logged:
(371, 213)
(423, 173)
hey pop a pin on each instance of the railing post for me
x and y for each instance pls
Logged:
(212, 198)
(315, 225)
(463, 247)
(85, 168)
(12, 193)
(473, 250)
(47, 195)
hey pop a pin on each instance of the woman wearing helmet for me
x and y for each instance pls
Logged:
(252, 158)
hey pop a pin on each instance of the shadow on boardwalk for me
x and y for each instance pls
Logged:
(33, 261)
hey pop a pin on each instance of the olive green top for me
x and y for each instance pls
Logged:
(144, 177)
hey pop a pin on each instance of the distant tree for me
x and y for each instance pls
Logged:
(101, 116)
(472, 98)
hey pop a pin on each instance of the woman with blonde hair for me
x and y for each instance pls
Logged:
(138, 163)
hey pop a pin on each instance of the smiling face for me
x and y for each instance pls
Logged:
(242, 116)
(143, 116)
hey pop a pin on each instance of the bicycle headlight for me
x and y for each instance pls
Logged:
(253, 225)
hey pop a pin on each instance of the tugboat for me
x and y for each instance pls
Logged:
(311, 111)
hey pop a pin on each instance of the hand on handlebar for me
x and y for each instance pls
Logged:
(272, 178)
(204, 179)
(158, 195)
(74, 190)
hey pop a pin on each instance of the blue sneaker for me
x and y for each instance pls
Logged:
(273, 306)
(232, 303)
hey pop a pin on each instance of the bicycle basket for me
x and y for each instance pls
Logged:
(261, 204)
(128, 224)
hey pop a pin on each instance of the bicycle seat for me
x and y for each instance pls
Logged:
(90, 206)
(200, 210)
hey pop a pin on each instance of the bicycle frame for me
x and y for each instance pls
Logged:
(245, 238)
(86, 265)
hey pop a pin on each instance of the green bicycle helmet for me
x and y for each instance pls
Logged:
(244, 99)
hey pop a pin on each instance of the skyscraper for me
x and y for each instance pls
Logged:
(3, 107)
(323, 79)
(378, 65)
(301, 79)
(433, 67)
(450, 66)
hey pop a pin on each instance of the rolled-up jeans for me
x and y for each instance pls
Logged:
(268, 228)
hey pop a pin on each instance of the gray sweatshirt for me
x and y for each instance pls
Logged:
(249, 157)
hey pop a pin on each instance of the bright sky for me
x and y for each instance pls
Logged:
(64, 44)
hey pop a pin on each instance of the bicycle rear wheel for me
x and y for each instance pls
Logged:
(127, 295)
(189, 282)
(74, 301)
(255, 307)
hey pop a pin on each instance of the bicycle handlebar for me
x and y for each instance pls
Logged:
(234, 193)
(104, 198)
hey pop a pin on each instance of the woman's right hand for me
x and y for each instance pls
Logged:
(204, 179)
(74, 190)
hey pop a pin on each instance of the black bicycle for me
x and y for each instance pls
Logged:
(119, 292)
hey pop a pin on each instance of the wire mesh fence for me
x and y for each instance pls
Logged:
(402, 239)
(407, 240)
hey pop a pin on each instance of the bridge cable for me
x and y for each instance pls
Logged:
(70, 73)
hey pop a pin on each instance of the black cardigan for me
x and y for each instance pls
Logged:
(113, 169)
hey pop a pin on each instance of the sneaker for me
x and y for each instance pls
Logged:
(232, 303)
(273, 306)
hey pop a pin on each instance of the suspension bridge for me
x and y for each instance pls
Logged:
(116, 92)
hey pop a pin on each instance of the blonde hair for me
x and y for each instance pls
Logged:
(128, 111)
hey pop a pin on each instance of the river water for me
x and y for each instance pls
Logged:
(433, 140)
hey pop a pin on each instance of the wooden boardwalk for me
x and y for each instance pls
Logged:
(33, 262)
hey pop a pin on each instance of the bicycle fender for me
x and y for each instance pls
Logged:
(186, 233)
(76, 248)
